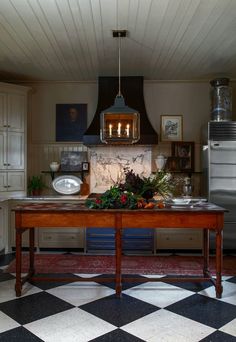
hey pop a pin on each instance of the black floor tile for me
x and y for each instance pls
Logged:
(125, 285)
(33, 307)
(5, 259)
(119, 311)
(46, 285)
(219, 336)
(19, 335)
(5, 276)
(232, 280)
(189, 285)
(208, 311)
(117, 335)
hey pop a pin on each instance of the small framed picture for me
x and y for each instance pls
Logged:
(171, 127)
(85, 166)
(184, 151)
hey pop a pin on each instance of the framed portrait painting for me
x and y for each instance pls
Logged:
(171, 127)
(71, 121)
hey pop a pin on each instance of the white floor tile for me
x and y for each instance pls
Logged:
(166, 326)
(71, 326)
(159, 294)
(229, 328)
(80, 293)
(228, 295)
(7, 290)
(7, 323)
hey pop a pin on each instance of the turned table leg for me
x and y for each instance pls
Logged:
(118, 236)
(205, 252)
(31, 251)
(219, 256)
(18, 285)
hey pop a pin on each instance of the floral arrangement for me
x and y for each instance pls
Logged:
(135, 192)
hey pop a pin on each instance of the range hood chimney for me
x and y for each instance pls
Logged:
(132, 90)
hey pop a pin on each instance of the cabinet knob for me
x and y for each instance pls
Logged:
(8, 164)
(5, 186)
(5, 164)
(5, 126)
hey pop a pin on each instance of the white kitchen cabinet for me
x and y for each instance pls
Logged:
(13, 115)
(13, 107)
(4, 241)
(12, 150)
(12, 181)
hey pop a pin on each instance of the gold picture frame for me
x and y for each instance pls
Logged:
(171, 127)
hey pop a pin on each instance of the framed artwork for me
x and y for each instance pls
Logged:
(73, 161)
(171, 127)
(184, 151)
(71, 122)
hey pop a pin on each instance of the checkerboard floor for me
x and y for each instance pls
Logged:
(90, 311)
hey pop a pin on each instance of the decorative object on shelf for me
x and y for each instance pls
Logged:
(171, 127)
(67, 185)
(85, 166)
(221, 100)
(187, 187)
(71, 121)
(119, 124)
(73, 161)
(36, 185)
(54, 166)
(184, 151)
(160, 161)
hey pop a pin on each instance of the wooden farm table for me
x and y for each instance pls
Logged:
(205, 216)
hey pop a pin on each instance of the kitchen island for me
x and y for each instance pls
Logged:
(204, 216)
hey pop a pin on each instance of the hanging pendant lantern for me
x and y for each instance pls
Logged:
(119, 124)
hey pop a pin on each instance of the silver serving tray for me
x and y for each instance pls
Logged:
(67, 185)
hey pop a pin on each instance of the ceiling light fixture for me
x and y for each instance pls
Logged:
(119, 124)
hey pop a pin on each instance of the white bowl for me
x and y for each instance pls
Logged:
(181, 200)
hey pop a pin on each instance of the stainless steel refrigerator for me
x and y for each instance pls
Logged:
(219, 174)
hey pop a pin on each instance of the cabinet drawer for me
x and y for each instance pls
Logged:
(72, 238)
(179, 239)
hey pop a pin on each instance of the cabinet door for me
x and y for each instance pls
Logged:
(16, 112)
(15, 151)
(16, 181)
(3, 110)
(3, 181)
(3, 150)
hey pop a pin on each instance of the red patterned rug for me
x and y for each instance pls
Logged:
(69, 263)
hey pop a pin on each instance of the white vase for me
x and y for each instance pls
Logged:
(54, 166)
(160, 162)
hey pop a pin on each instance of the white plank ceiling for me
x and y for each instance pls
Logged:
(71, 40)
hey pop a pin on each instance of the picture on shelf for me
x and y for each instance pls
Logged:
(73, 161)
(184, 151)
(71, 121)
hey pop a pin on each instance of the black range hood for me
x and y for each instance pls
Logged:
(132, 90)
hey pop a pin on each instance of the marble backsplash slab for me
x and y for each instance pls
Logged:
(107, 164)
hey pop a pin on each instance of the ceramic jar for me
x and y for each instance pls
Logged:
(221, 100)
(54, 166)
(160, 161)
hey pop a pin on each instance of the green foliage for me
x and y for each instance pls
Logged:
(114, 198)
(35, 183)
(161, 182)
(129, 193)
